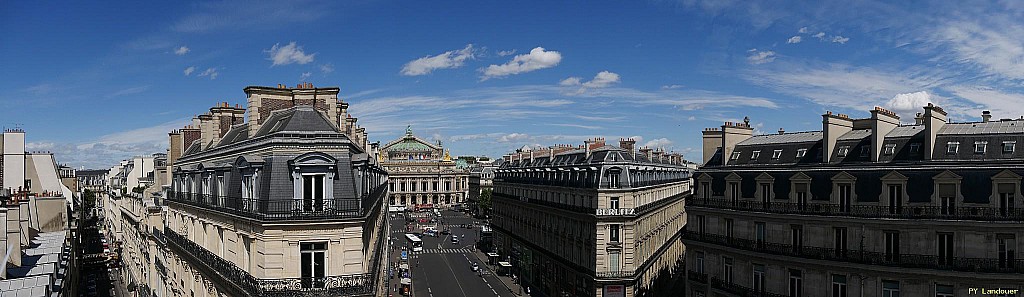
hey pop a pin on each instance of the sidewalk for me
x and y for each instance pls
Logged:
(505, 280)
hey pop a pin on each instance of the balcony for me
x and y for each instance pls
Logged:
(616, 274)
(740, 290)
(697, 276)
(984, 265)
(865, 211)
(364, 284)
(282, 209)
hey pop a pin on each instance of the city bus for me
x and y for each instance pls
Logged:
(414, 242)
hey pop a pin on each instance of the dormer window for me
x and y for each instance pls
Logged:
(980, 146)
(801, 152)
(952, 147)
(1008, 146)
(889, 149)
(915, 148)
(735, 156)
(776, 154)
(865, 151)
(844, 150)
(754, 155)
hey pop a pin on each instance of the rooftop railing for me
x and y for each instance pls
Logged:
(283, 209)
(362, 284)
(987, 265)
(957, 212)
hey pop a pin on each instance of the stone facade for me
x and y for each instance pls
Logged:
(865, 207)
(422, 174)
(596, 220)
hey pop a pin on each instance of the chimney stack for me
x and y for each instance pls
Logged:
(919, 119)
(712, 142)
(882, 122)
(627, 144)
(782, 131)
(986, 116)
(646, 151)
(833, 126)
(934, 119)
(732, 134)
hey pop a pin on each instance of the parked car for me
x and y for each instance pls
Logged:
(475, 267)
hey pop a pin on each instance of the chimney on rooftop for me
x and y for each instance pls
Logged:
(934, 119)
(833, 126)
(627, 144)
(882, 122)
(986, 116)
(782, 131)
(919, 119)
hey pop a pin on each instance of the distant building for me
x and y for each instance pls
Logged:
(422, 174)
(594, 220)
(481, 178)
(862, 207)
(38, 223)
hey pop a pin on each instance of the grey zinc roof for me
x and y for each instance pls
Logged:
(855, 134)
(299, 118)
(797, 137)
(997, 127)
(236, 133)
(905, 131)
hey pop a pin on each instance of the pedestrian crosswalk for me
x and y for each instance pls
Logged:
(444, 251)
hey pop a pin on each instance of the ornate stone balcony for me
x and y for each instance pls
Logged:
(283, 209)
(958, 212)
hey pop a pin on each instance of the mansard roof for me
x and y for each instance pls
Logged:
(300, 118)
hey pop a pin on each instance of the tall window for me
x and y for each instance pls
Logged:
(1007, 192)
(613, 261)
(758, 278)
(220, 190)
(840, 241)
(890, 288)
(945, 248)
(895, 199)
(801, 196)
(705, 190)
(700, 224)
(796, 283)
(734, 192)
(314, 264)
(797, 238)
(700, 262)
(613, 232)
(249, 195)
(947, 199)
(613, 202)
(760, 234)
(727, 269)
(838, 285)
(1007, 248)
(313, 192)
(944, 291)
(613, 179)
(766, 194)
(728, 228)
(413, 186)
(844, 197)
(892, 246)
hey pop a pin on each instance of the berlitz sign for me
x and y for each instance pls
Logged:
(615, 212)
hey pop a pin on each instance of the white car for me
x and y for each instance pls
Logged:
(475, 267)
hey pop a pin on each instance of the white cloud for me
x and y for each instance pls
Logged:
(839, 39)
(1002, 104)
(994, 47)
(129, 91)
(188, 71)
(802, 30)
(288, 54)
(513, 137)
(181, 50)
(446, 60)
(211, 72)
(760, 57)
(907, 105)
(571, 81)
(305, 75)
(601, 80)
(538, 58)
(820, 35)
(327, 68)
(506, 53)
(671, 87)
(659, 143)
(794, 39)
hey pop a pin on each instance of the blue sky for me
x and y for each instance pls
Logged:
(99, 83)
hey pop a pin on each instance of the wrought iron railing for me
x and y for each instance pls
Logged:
(697, 276)
(740, 290)
(616, 274)
(988, 265)
(865, 211)
(363, 284)
(283, 209)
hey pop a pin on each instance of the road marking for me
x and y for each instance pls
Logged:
(454, 275)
